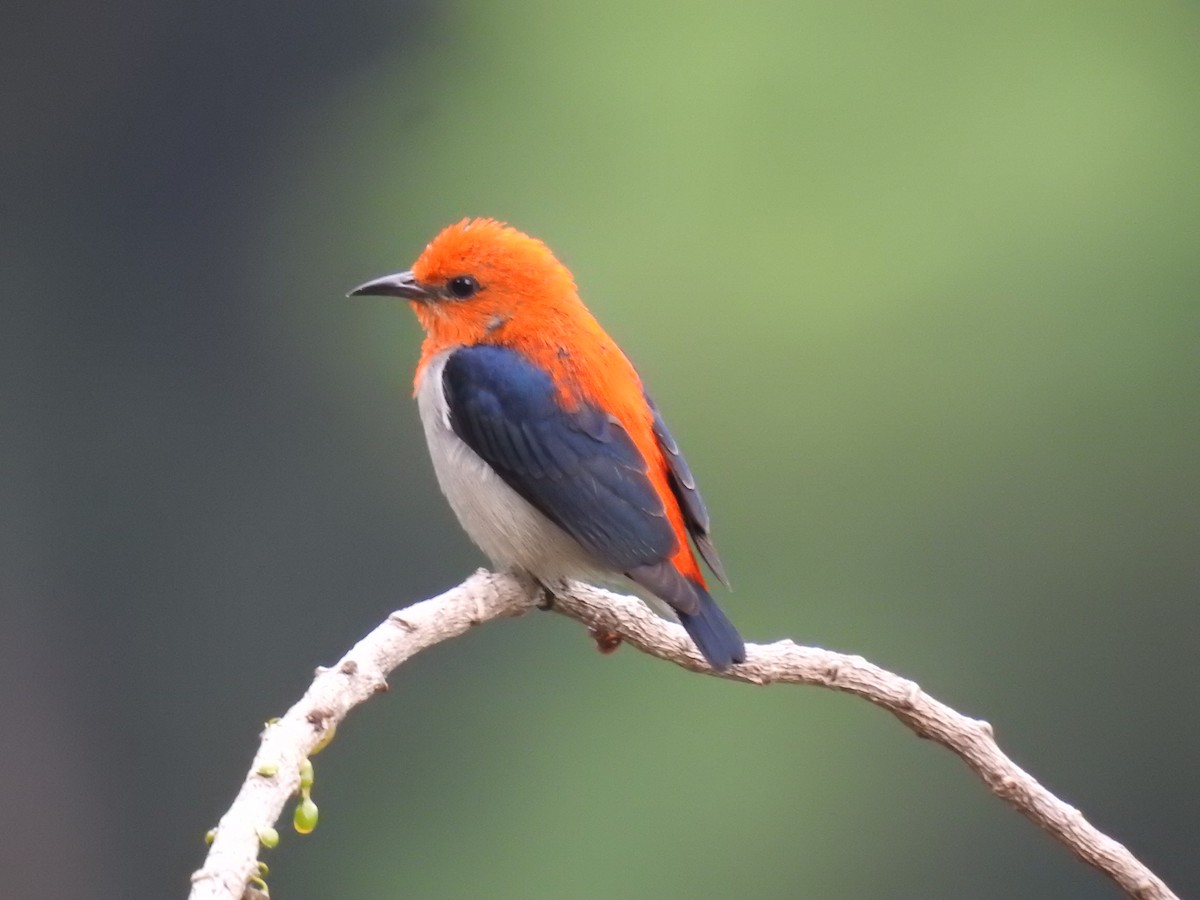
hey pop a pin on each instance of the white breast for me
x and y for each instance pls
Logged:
(507, 528)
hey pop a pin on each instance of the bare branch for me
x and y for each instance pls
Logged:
(274, 774)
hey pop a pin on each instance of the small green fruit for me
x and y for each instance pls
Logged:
(305, 818)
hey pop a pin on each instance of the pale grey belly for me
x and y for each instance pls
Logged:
(507, 528)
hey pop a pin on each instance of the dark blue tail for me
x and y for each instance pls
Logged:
(707, 626)
(713, 633)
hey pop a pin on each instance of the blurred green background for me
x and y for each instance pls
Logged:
(917, 285)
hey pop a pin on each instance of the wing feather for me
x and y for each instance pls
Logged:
(579, 468)
(683, 486)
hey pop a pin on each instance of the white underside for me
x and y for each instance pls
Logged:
(508, 529)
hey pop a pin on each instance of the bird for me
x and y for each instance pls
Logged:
(543, 438)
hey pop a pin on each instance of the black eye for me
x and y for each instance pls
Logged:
(460, 287)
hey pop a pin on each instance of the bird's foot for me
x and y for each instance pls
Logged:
(548, 596)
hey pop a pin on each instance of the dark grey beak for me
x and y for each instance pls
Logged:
(402, 284)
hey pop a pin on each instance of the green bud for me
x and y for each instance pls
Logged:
(210, 836)
(330, 731)
(267, 770)
(306, 774)
(268, 837)
(305, 818)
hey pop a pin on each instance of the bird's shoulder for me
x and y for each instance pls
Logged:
(503, 386)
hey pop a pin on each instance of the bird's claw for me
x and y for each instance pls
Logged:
(547, 600)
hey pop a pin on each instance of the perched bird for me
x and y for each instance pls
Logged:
(552, 455)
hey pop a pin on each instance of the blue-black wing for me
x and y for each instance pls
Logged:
(579, 468)
(582, 471)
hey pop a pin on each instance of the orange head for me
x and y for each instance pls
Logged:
(484, 282)
(476, 277)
